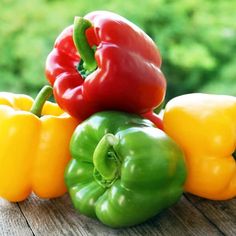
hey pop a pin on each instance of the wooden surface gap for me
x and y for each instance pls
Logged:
(12, 222)
(204, 215)
(57, 217)
(221, 214)
(27, 222)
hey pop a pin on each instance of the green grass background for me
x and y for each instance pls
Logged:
(197, 40)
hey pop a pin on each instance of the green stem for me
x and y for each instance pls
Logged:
(106, 162)
(82, 45)
(40, 100)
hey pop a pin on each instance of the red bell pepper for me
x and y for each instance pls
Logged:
(105, 62)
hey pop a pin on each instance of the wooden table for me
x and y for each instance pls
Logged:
(190, 216)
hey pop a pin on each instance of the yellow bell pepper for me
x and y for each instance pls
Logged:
(205, 127)
(34, 148)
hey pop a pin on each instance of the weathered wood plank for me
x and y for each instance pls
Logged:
(220, 213)
(12, 221)
(184, 219)
(57, 217)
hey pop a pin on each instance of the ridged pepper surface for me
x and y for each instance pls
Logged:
(34, 147)
(205, 127)
(123, 170)
(105, 62)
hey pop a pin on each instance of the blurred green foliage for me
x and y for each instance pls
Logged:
(197, 39)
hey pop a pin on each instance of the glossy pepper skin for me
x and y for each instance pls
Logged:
(123, 170)
(204, 126)
(33, 151)
(122, 74)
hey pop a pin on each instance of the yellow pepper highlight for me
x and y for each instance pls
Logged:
(205, 127)
(33, 150)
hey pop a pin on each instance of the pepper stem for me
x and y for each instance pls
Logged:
(40, 100)
(106, 162)
(86, 52)
(234, 155)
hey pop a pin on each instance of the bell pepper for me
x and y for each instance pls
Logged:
(34, 146)
(205, 127)
(105, 62)
(123, 170)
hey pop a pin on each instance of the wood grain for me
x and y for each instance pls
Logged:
(184, 219)
(12, 221)
(190, 216)
(221, 213)
(59, 218)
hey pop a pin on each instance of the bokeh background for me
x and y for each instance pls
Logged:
(197, 39)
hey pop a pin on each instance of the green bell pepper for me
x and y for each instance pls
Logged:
(123, 169)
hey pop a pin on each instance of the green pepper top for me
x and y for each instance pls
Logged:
(124, 170)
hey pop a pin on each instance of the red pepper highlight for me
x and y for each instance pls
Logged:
(105, 62)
